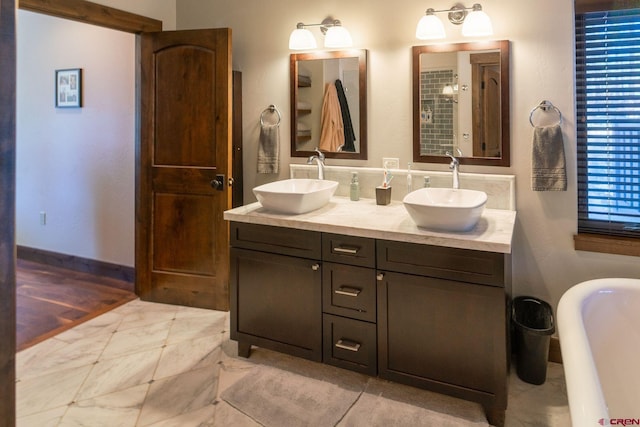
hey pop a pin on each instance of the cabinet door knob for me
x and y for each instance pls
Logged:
(380, 277)
(315, 267)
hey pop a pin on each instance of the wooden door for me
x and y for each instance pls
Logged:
(491, 108)
(182, 240)
(486, 108)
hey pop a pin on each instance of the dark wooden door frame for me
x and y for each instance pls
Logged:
(78, 10)
(92, 13)
(7, 212)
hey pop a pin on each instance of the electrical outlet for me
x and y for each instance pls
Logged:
(43, 218)
(391, 162)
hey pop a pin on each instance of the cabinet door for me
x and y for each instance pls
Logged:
(277, 302)
(443, 335)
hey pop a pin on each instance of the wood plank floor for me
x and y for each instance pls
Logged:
(50, 300)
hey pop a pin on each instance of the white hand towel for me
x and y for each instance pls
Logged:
(548, 169)
(269, 149)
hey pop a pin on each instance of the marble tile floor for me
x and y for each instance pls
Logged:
(148, 364)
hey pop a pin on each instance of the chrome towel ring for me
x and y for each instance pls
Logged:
(270, 110)
(545, 106)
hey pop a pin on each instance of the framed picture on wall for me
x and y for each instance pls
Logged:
(69, 88)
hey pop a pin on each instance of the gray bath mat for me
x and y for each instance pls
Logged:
(282, 390)
(276, 398)
(386, 404)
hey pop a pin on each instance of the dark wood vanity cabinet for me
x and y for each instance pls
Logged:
(428, 316)
(443, 321)
(443, 335)
(276, 290)
(349, 303)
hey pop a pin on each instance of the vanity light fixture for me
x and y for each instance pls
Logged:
(335, 35)
(448, 90)
(301, 39)
(449, 93)
(451, 88)
(430, 27)
(474, 24)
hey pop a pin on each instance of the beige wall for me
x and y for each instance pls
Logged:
(76, 164)
(541, 34)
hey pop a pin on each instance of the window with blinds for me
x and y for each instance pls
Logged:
(608, 121)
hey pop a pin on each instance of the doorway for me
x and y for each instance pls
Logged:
(90, 13)
(75, 171)
(485, 74)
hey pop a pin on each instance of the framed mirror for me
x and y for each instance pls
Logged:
(461, 103)
(329, 104)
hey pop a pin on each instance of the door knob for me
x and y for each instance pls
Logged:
(218, 183)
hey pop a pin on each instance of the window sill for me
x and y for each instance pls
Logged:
(607, 244)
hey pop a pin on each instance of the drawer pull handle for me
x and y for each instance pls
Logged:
(315, 267)
(350, 292)
(380, 277)
(346, 250)
(348, 345)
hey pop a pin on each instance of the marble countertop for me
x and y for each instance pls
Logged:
(364, 218)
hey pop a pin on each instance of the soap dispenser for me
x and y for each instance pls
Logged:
(355, 187)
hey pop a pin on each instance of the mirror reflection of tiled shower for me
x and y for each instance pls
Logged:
(437, 112)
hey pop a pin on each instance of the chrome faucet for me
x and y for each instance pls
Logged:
(454, 166)
(319, 159)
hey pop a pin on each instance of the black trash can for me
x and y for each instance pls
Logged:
(533, 324)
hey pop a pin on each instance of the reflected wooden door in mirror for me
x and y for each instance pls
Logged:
(329, 104)
(461, 103)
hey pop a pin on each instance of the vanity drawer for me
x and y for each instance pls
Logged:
(349, 291)
(466, 265)
(279, 240)
(350, 344)
(350, 250)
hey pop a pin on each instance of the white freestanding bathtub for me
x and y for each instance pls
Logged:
(599, 328)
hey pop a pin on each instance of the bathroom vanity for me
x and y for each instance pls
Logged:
(359, 286)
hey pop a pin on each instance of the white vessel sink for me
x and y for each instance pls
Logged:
(445, 209)
(295, 196)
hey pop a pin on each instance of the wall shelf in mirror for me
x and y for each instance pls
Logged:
(329, 103)
(461, 102)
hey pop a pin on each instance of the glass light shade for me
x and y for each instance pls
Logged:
(477, 24)
(337, 37)
(302, 39)
(447, 90)
(430, 27)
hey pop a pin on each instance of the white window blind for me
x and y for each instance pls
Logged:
(608, 113)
